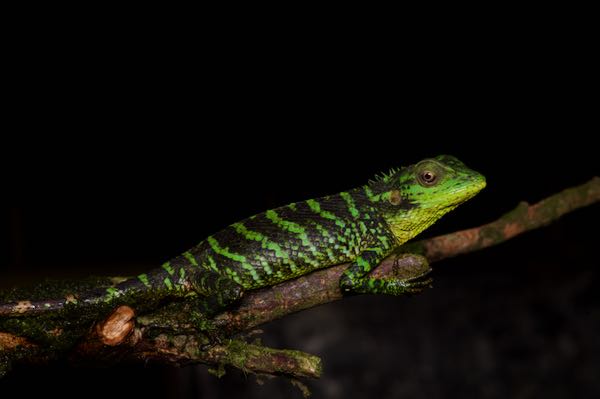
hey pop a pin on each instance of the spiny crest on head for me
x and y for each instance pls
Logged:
(384, 177)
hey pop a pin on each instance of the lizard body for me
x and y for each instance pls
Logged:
(360, 226)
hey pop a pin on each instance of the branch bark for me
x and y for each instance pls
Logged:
(523, 218)
(121, 337)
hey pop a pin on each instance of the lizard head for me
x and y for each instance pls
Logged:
(414, 197)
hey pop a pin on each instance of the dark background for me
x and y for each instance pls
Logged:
(127, 149)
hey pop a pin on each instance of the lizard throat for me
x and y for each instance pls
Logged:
(412, 222)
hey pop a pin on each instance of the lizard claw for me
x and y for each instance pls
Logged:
(418, 285)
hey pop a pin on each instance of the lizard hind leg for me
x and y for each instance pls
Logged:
(217, 292)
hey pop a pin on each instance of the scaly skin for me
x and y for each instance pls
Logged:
(360, 226)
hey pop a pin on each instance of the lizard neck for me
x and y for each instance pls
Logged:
(410, 222)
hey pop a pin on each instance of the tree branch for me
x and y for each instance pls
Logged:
(122, 337)
(523, 218)
(177, 346)
(322, 286)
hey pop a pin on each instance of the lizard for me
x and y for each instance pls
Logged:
(361, 226)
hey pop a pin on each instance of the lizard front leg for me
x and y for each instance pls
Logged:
(356, 277)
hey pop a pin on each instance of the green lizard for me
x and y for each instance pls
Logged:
(360, 226)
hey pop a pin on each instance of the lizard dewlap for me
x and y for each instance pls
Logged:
(360, 226)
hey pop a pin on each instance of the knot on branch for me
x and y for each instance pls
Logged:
(10, 341)
(117, 326)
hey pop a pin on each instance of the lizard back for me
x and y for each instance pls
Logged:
(291, 240)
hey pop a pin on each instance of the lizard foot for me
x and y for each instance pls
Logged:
(418, 285)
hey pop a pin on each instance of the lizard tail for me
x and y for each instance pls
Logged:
(25, 307)
(156, 285)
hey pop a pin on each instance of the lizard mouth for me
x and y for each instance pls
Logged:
(468, 190)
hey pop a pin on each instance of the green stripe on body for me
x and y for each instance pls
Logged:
(363, 264)
(241, 259)
(144, 279)
(351, 205)
(369, 193)
(211, 263)
(329, 239)
(384, 240)
(233, 275)
(168, 268)
(266, 244)
(281, 254)
(248, 234)
(316, 208)
(190, 258)
(363, 228)
(112, 293)
(297, 229)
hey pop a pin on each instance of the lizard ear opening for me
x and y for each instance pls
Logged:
(395, 197)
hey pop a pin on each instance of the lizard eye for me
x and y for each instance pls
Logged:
(427, 178)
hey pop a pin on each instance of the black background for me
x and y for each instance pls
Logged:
(128, 150)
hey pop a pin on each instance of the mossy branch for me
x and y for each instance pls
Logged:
(122, 337)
